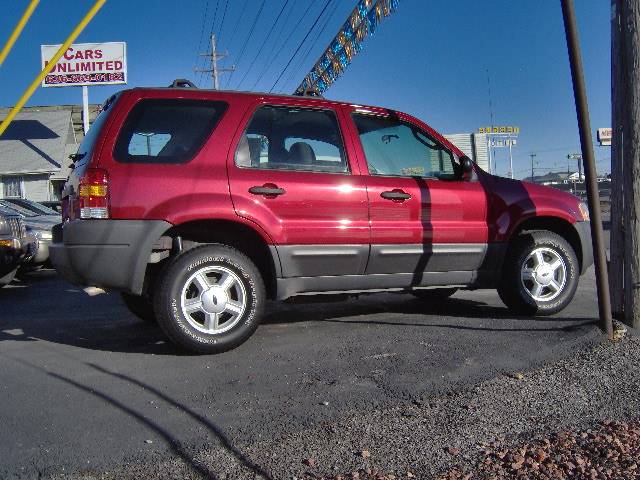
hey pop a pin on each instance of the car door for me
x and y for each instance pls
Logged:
(291, 173)
(427, 222)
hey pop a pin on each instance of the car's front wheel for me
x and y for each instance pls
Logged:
(540, 274)
(210, 299)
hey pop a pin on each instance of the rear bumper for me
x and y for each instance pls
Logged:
(109, 254)
(584, 232)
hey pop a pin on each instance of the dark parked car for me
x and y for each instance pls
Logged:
(200, 205)
(53, 205)
(39, 222)
(13, 247)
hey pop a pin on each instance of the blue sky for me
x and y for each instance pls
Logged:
(430, 59)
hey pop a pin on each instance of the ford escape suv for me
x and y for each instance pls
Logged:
(200, 205)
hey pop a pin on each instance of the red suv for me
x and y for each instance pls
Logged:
(200, 205)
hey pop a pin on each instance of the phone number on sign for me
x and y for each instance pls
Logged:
(87, 78)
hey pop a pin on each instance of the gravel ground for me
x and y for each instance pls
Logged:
(451, 433)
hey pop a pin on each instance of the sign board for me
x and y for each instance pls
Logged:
(86, 64)
(504, 130)
(507, 142)
(604, 136)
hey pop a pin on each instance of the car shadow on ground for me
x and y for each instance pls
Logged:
(44, 307)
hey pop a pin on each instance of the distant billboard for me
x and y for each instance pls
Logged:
(605, 136)
(501, 130)
(86, 64)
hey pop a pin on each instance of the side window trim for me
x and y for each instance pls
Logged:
(338, 124)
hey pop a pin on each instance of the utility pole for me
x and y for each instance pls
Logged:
(616, 265)
(586, 144)
(533, 156)
(626, 150)
(215, 71)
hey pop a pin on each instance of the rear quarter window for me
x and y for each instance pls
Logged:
(167, 130)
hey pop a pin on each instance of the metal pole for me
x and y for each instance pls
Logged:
(214, 62)
(49, 66)
(510, 157)
(532, 155)
(18, 30)
(491, 169)
(85, 108)
(586, 143)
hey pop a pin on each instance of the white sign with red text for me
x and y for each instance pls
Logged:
(86, 64)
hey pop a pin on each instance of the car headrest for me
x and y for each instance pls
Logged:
(301, 153)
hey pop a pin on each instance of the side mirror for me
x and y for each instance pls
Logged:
(466, 166)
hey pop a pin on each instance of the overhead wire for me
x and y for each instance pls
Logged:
(312, 44)
(300, 46)
(268, 57)
(246, 42)
(264, 42)
(204, 21)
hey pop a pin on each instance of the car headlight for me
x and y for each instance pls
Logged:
(43, 234)
(584, 211)
(5, 229)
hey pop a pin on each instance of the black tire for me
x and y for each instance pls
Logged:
(434, 293)
(247, 290)
(514, 291)
(140, 306)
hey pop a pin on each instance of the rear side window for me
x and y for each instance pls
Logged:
(167, 131)
(292, 138)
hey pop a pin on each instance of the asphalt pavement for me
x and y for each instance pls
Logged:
(85, 386)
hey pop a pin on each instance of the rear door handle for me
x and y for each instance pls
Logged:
(395, 195)
(267, 190)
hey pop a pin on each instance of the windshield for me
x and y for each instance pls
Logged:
(25, 212)
(32, 206)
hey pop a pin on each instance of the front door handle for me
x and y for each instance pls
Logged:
(268, 190)
(395, 195)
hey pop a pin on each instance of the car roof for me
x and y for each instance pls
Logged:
(5, 212)
(262, 95)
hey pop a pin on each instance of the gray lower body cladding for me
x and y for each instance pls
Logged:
(105, 253)
(308, 269)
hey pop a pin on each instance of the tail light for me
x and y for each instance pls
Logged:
(93, 194)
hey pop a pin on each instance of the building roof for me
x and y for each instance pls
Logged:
(35, 142)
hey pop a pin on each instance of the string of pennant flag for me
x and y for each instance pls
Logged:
(363, 21)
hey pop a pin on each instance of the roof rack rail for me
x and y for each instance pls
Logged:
(309, 92)
(182, 83)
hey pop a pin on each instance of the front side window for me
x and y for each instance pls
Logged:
(291, 138)
(167, 130)
(397, 148)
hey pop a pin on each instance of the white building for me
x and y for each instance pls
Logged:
(474, 145)
(35, 149)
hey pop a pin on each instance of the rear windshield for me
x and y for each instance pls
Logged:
(167, 130)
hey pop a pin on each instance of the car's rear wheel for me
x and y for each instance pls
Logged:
(140, 306)
(540, 274)
(434, 293)
(210, 299)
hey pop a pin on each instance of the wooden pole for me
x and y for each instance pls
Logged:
(616, 265)
(630, 113)
(586, 142)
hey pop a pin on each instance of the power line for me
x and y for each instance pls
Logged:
(304, 58)
(204, 20)
(246, 42)
(235, 27)
(266, 39)
(224, 15)
(268, 57)
(300, 46)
